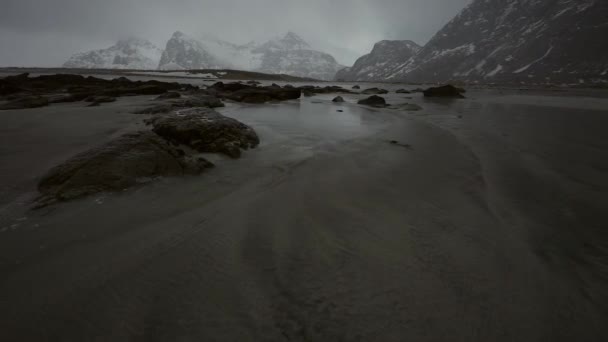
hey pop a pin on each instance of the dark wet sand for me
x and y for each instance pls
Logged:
(490, 226)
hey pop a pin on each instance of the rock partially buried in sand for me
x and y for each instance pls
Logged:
(444, 91)
(338, 99)
(374, 101)
(374, 91)
(121, 163)
(356, 87)
(205, 130)
(26, 102)
(403, 91)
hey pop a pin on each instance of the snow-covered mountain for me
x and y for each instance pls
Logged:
(132, 53)
(184, 52)
(381, 62)
(286, 55)
(516, 41)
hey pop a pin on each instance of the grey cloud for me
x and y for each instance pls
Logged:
(51, 30)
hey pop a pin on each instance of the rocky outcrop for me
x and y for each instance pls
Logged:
(338, 99)
(205, 130)
(204, 101)
(131, 159)
(380, 62)
(28, 92)
(254, 94)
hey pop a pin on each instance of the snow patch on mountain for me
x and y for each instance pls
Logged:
(132, 53)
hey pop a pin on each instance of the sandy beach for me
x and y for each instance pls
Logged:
(478, 219)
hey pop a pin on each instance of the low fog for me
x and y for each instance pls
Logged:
(46, 32)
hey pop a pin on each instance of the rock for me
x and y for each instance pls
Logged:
(199, 101)
(356, 87)
(169, 95)
(121, 163)
(338, 99)
(26, 102)
(444, 91)
(262, 95)
(308, 93)
(374, 101)
(374, 91)
(205, 130)
(253, 83)
(403, 91)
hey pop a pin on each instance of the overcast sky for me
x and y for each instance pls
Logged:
(47, 32)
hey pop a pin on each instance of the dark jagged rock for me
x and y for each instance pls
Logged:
(26, 102)
(338, 99)
(403, 91)
(121, 163)
(205, 130)
(356, 87)
(444, 91)
(374, 91)
(169, 95)
(374, 101)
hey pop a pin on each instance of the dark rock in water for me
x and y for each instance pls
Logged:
(253, 82)
(403, 91)
(356, 87)
(192, 102)
(374, 101)
(338, 99)
(205, 130)
(417, 90)
(169, 95)
(444, 91)
(374, 91)
(124, 162)
(340, 111)
(288, 86)
(308, 93)
(26, 102)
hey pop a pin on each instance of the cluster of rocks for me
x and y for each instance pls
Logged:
(252, 93)
(170, 149)
(444, 91)
(22, 91)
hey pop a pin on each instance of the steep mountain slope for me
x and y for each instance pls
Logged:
(381, 62)
(184, 52)
(516, 41)
(293, 56)
(287, 55)
(133, 53)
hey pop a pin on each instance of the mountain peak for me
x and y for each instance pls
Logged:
(292, 41)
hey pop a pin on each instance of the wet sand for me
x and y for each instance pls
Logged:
(485, 223)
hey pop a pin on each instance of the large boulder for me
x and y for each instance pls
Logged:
(374, 101)
(444, 91)
(121, 163)
(205, 130)
(26, 102)
(338, 99)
